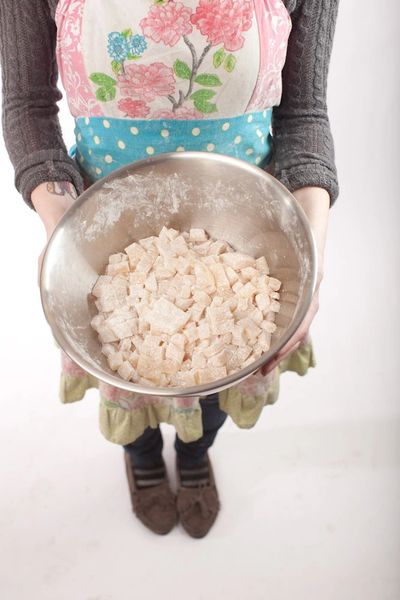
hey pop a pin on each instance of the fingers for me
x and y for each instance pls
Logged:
(279, 358)
(299, 338)
(40, 260)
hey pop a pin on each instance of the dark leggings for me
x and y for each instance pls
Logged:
(146, 450)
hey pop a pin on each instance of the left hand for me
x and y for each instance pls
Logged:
(315, 203)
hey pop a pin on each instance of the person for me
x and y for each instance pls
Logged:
(246, 78)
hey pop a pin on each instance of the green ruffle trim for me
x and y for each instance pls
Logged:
(123, 426)
(73, 388)
(245, 410)
(299, 361)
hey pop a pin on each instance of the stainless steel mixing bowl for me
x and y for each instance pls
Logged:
(230, 199)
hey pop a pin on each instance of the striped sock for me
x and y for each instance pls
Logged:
(194, 476)
(149, 476)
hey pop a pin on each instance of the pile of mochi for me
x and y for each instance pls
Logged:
(180, 309)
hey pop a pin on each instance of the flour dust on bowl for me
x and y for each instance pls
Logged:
(228, 198)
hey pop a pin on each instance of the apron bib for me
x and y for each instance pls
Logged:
(144, 78)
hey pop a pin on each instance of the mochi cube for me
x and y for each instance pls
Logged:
(183, 303)
(102, 282)
(209, 374)
(150, 283)
(204, 277)
(116, 258)
(165, 317)
(150, 344)
(203, 331)
(97, 321)
(134, 252)
(218, 360)
(190, 331)
(218, 247)
(108, 349)
(137, 278)
(174, 353)
(197, 235)
(248, 273)
(115, 360)
(275, 306)
(183, 265)
(199, 360)
(200, 297)
(231, 275)
(119, 267)
(171, 233)
(146, 262)
(268, 326)
(178, 339)
(179, 245)
(149, 243)
(238, 261)
(263, 302)
(124, 345)
(274, 284)
(262, 265)
(221, 280)
(106, 335)
(126, 371)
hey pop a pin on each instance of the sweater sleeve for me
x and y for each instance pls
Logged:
(302, 139)
(31, 127)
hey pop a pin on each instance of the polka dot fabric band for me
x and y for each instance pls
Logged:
(105, 144)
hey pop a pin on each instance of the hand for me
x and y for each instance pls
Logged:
(315, 203)
(51, 200)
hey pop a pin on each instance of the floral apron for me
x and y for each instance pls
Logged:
(155, 76)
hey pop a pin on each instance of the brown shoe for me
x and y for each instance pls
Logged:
(154, 506)
(198, 506)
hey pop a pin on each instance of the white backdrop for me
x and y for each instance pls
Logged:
(309, 496)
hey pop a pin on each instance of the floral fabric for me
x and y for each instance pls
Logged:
(124, 416)
(198, 58)
(147, 77)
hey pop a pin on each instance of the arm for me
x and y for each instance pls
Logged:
(31, 127)
(303, 145)
(51, 200)
(315, 203)
(302, 140)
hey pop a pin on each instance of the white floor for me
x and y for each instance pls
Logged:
(310, 496)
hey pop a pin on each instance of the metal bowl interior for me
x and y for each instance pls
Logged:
(230, 199)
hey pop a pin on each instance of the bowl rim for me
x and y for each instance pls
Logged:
(206, 388)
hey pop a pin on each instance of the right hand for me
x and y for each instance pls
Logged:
(51, 200)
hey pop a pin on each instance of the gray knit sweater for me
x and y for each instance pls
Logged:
(303, 150)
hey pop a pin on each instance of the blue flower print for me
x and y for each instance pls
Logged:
(118, 46)
(137, 44)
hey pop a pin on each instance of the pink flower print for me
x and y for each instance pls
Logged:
(167, 23)
(69, 367)
(223, 21)
(257, 384)
(187, 401)
(183, 113)
(113, 394)
(147, 82)
(135, 109)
